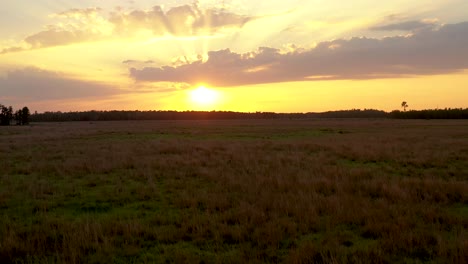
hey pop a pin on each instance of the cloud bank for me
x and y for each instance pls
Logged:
(412, 25)
(91, 24)
(185, 20)
(425, 52)
(37, 84)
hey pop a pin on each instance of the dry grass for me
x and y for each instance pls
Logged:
(296, 191)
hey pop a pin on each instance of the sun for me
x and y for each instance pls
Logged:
(203, 96)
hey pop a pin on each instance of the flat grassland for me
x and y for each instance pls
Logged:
(295, 191)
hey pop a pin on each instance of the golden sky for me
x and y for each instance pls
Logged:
(282, 56)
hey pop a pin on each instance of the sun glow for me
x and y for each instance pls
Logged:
(204, 97)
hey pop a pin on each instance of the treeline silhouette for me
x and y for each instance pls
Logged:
(7, 115)
(353, 113)
(23, 116)
(447, 113)
(196, 115)
(145, 115)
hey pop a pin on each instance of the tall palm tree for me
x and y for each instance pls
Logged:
(404, 105)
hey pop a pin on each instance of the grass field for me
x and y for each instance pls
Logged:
(294, 191)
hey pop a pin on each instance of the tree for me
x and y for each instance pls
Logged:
(19, 117)
(22, 116)
(6, 115)
(404, 105)
(25, 115)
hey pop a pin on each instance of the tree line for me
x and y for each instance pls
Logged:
(146, 115)
(23, 116)
(447, 113)
(196, 115)
(7, 115)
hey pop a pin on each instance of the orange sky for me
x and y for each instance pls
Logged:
(282, 56)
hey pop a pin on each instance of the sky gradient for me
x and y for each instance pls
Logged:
(281, 56)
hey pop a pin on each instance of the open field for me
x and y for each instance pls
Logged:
(295, 191)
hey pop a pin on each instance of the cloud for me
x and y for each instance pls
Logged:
(58, 37)
(77, 12)
(425, 52)
(138, 62)
(185, 20)
(407, 26)
(12, 49)
(90, 24)
(130, 61)
(75, 26)
(37, 84)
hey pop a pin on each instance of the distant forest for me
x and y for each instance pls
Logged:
(214, 115)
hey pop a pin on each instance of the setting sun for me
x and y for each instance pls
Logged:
(203, 96)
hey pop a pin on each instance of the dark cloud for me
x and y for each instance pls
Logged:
(425, 52)
(36, 84)
(407, 26)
